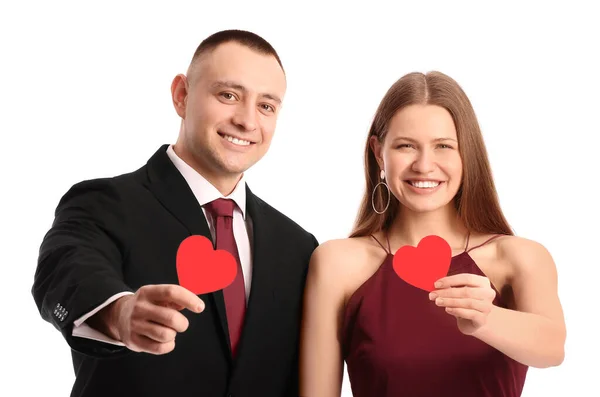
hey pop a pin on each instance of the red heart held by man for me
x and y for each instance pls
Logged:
(202, 269)
(424, 265)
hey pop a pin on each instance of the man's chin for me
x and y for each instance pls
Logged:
(235, 170)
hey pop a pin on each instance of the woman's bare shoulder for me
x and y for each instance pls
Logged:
(522, 253)
(345, 254)
(346, 263)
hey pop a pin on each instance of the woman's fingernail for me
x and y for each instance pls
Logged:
(432, 296)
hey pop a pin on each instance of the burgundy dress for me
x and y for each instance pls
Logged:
(396, 342)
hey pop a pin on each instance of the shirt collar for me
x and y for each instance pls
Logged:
(203, 190)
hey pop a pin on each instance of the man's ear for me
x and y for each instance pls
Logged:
(179, 93)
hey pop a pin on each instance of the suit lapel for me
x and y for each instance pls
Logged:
(263, 259)
(264, 264)
(170, 188)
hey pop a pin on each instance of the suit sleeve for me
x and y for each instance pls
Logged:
(293, 388)
(80, 263)
(82, 330)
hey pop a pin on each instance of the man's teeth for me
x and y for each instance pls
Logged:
(236, 141)
(424, 184)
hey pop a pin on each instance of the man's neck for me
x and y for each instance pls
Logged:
(225, 184)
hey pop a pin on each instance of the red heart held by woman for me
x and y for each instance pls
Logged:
(202, 269)
(424, 265)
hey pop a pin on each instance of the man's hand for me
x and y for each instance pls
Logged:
(149, 320)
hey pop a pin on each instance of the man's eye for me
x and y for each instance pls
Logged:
(227, 95)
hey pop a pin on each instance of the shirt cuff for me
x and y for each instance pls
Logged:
(83, 330)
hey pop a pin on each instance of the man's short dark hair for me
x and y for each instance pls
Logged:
(245, 38)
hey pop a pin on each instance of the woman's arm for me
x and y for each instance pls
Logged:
(321, 362)
(535, 334)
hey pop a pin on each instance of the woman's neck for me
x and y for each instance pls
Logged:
(410, 227)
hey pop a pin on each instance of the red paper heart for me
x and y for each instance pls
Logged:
(424, 265)
(201, 269)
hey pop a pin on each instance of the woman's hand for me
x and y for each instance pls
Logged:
(468, 297)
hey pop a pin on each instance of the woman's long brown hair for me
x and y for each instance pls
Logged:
(476, 200)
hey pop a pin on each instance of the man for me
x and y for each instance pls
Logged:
(107, 278)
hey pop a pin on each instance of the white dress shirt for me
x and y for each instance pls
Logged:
(204, 192)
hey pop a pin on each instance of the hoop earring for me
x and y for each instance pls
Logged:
(382, 176)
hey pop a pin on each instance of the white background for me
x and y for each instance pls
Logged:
(85, 94)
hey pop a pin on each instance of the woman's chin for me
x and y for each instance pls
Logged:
(423, 207)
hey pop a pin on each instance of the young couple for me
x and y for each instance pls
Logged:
(106, 275)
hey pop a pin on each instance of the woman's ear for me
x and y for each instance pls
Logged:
(376, 147)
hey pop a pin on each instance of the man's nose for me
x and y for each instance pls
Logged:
(245, 116)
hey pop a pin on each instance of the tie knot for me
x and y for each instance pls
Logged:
(221, 207)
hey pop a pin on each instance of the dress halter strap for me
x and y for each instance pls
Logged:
(467, 249)
(388, 251)
(485, 242)
(467, 243)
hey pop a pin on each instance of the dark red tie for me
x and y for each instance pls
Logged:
(234, 294)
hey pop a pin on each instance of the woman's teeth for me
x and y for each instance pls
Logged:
(424, 184)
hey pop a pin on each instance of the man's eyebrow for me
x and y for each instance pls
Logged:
(239, 87)
(272, 97)
(228, 84)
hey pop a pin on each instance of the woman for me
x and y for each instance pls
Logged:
(497, 311)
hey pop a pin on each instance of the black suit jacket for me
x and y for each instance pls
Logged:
(118, 234)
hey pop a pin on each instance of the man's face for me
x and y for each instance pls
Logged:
(233, 99)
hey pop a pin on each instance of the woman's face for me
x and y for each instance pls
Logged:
(420, 157)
